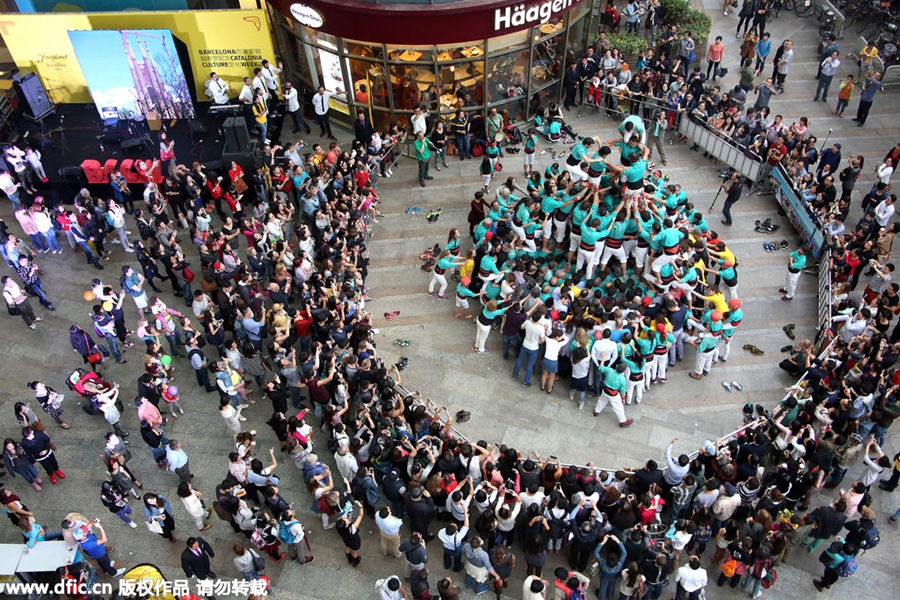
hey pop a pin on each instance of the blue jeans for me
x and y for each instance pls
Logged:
(51, 242)
(14, 198)
(88, 253)
(837, 475)
(841, 105)
(38, 241)
(824, 84)
(878, 432)
(607, 587)
(124, 512)
(113, 342)
(513, 342)
(453, 559)
(423, 170)
(263, 129)
(28, 473)
(654, 591)
(187, 293)
(440, 155)
(174, 340)
(463, 146)
(37, 288)
(251, 576)
(532, 359)
(726, 211)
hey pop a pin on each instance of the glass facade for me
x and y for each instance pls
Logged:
(517, 73)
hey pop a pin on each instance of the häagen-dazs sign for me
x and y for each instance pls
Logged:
(519, 15)
(308, 16)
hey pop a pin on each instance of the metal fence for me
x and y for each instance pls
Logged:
(720, 147)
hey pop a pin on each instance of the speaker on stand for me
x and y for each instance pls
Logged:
(31, 92)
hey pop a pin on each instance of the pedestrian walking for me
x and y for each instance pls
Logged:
(867, 97)
(193, 503)
(17, 302)
(158, 513)
(17, 460)
(40, 449)
(116, 500)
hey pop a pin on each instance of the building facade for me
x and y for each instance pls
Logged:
(389, 56)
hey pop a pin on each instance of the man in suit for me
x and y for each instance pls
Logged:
(195, 558)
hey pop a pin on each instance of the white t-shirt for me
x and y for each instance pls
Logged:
(533, 333)
(552, 348)
(691, 579)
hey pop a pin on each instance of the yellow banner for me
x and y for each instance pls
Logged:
(230, 42)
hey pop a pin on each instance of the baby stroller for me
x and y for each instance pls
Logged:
(88, 385)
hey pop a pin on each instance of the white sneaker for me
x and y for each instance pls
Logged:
(129, 249)
(242, 418)
(39, 318)
(116, 242)
(132, 524)
(119, 573)
(32, 326)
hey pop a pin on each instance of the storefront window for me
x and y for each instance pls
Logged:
(460, 52)
(577, 42)
(314, 36)
(543, 98)
(547, 60)
(513, 111)
(507, 76)
(408, 54)
(463, 82)
(371, 76)
(509, 41)
(408, 82)
(551, 28)
(381, 120)
(363, 49)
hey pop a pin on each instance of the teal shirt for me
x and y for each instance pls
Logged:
(618, 230)
(614, 381)
(550, 203)
(488, 263)
(707, 343)
(464, 291)
(798, 261)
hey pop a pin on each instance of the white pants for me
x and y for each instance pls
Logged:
(635, 391)
(662, 259)
(585, 257)
(704, 362)
(791, 283)
(730, 291)
(490, 277)
(594, 180)
(640, 256)
(610, 252)
(574, 241)
(560, 231)
(726, 342)
(629, 246)
(437, 278)
(662, 365)
(649, 372)
(615, 401)
(481, 335)
(519, 231)
(141, 301)
(462, 302)
(545, 231)
(576, 172)
(529, 159)
(530, 245)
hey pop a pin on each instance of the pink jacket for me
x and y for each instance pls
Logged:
(27, 222)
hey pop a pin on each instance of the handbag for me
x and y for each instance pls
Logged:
(154, 526)
(94, 357)
(729, 567)
(239, 186)
(14, 309)
(259, 563)
(188, 275)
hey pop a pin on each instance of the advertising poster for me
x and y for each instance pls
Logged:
(133, 72)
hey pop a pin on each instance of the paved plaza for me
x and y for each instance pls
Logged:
(443, 367)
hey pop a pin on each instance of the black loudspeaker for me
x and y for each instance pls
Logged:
(44, 145)
(215, 165)
(129, 144)
(237, 138)
(250, 160)
(32, 93)
(73, 175)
